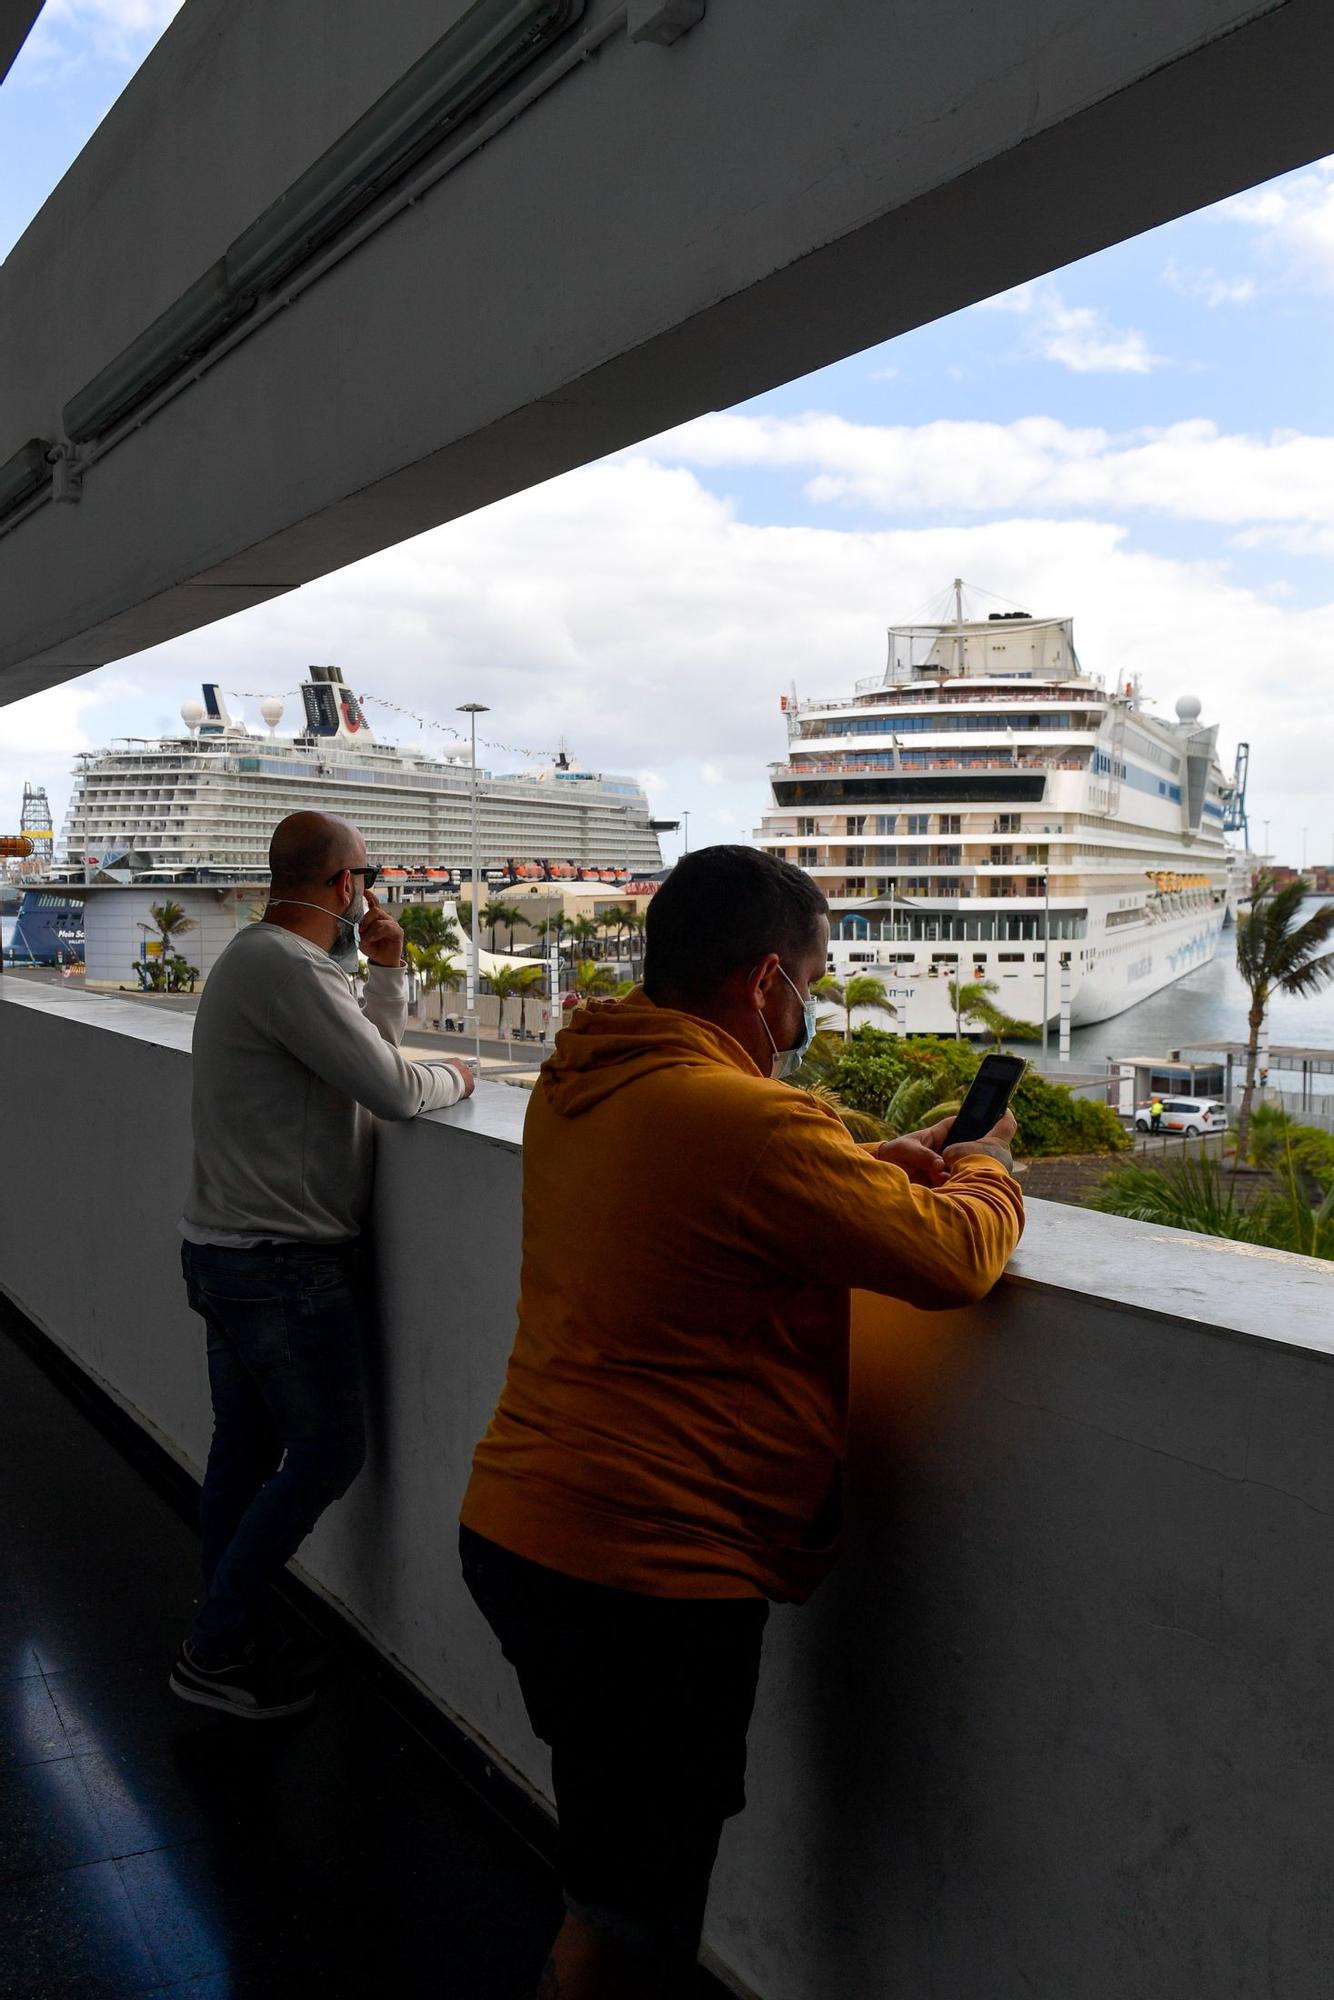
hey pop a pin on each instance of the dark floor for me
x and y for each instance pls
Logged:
(150, 1847)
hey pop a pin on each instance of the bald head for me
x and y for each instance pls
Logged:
(308, 847)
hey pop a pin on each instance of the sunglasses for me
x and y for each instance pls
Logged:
(370, 876)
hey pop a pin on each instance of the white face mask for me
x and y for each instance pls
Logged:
(344, 949)
(786, 1060)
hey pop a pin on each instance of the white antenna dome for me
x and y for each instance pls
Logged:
(1188, 707)
(271, 708)
(192, 713)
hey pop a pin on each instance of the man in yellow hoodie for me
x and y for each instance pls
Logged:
(666, 1454)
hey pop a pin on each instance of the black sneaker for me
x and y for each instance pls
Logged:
(252, 1689)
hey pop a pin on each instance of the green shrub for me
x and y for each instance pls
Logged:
(1275, 1138)
(1197, 1194)
(1052, 1120)
(873, 1065)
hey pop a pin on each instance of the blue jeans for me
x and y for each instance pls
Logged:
(284, 1367)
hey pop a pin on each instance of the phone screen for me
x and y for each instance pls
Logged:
(988, 1096)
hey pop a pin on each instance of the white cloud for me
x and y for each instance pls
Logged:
(1206, 284)
(1190, 470)
(1080, 338)
(1294, 223)
(1301, 540)
(116, 30)
(888, 372)
(629, 609)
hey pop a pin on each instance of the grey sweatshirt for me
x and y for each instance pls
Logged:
(289, 1077)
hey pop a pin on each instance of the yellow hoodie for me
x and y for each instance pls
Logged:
(673, 1416)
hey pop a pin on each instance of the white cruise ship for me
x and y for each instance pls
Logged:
(200, 808)
(985, 796)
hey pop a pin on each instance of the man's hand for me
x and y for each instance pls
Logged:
(926, 1156)
(919, 1153)
(464, 1070)
(381, 937)
(995, 1144)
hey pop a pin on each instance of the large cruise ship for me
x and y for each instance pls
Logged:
(200, 808)
(984, 799)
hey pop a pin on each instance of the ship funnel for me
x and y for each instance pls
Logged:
(331, 708)
(217, 715)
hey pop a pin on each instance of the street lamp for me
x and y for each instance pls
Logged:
(685, 818)
(1046, 950)
(472, 709)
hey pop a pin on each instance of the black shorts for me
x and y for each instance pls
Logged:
(645, 1702)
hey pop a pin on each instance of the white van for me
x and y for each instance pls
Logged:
(1191, 1116)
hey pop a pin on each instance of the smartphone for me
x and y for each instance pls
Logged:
(988, 1097)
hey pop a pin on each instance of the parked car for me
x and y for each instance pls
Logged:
(1191, 1116)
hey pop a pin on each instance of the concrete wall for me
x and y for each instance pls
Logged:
(1059, 1728)
(114, 921)
(666, 231)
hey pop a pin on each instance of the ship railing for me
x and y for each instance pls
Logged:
(808, 767)
(1035, 694)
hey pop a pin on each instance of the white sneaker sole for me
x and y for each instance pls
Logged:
(203, 1699)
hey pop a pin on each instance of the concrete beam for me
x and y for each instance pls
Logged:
(666, 231)
(16, 20)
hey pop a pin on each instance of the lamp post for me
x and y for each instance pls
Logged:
(472, 709)
(1046, 950)
(685, 820)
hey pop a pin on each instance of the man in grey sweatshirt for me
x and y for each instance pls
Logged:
(290, 1073)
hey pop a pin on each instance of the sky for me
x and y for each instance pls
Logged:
(1143, 441)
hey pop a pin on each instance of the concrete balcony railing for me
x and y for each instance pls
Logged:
(1058, 1728)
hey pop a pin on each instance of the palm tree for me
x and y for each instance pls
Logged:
(426, 924)
(496, 916)
(436, 972)
(583, 933)
(1278, 954)
(590, 979)
(531, 979)
(973, 1002)
(445, 977)
(611, 920)
(170, 922)
(968, 998)
(505, 982)
(862, 990)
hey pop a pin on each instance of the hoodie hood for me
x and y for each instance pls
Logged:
(611, 1043)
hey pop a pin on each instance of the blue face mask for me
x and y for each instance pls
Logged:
(786, 1060)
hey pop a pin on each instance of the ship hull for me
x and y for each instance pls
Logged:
(1127, 967)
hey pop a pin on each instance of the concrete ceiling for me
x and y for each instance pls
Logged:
(16, 18)
(665, 231)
